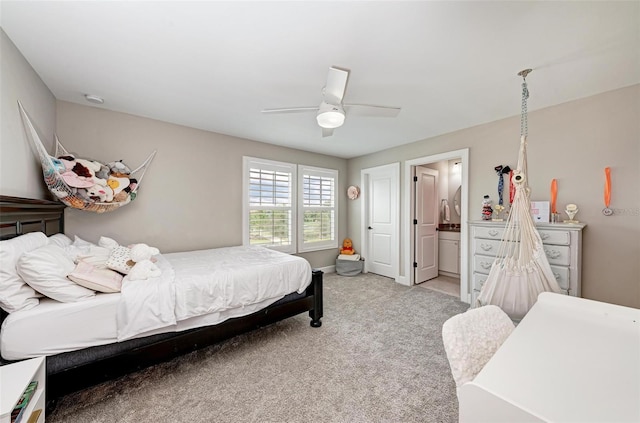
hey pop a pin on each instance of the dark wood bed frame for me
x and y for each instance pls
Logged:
(75, 370)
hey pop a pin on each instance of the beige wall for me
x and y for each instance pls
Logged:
(573, 143)
(191, 195)
(20, 172)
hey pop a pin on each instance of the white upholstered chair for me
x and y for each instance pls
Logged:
(472, 338)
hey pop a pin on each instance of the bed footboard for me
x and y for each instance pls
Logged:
(316, 312)
(76, 370)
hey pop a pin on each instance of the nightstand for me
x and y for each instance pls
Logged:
(14, 379)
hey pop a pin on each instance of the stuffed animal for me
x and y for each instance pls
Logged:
(121, 197)
(103, 173)
(347, 247)
(74, 180)
(102, 193)
(144, 267)
(92, 167)
(118, 184)
(119, 169)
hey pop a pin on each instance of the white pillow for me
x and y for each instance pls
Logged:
(61, 240)
(81, 249)
(15, 294)
(97, 279)
(80, 243)
(109, 243)
(45, 269)
(120, 260)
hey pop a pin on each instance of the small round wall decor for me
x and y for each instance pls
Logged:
(353, 192)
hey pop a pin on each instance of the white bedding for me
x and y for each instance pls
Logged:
(221, 284)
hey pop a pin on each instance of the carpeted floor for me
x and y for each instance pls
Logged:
(378, 357)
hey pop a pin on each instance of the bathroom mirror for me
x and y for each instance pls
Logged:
(456, 200)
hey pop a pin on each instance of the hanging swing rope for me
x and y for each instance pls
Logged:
(521, 270)
(524, 123)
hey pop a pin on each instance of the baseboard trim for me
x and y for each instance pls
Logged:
(327, 269)
(402, 280)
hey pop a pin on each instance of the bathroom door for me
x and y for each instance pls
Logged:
(426, 224)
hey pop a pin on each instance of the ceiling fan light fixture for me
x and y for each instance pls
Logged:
(330, 116)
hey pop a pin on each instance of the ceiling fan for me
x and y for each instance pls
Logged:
(331, 112)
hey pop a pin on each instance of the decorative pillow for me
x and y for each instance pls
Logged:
(99, 261)
(97, 279)
(45, 269)
(120, 260)
(15, 294)
(61, 240)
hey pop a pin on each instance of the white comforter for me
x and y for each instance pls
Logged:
(207, 281)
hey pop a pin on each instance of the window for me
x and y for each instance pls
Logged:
(269, 204)
(317, 208)
(274, 197)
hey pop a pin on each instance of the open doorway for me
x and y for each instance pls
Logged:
(446, 208)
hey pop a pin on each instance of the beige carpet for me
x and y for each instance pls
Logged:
(378, 357)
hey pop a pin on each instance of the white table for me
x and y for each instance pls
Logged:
(569, 360)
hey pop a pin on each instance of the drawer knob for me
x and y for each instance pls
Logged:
(486, 247)
(493, 232)
(554, 254)
(557, 275)
(544, 235)
(485, 265)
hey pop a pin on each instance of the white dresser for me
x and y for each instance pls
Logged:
(562, 244)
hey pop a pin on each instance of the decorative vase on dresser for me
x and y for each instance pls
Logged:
(562, 245)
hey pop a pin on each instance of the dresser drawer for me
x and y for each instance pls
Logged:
(479, 280)
(488, 233)
(562, 276)
(482, 264)
(555, 237)
(486, 247)
(557, 254)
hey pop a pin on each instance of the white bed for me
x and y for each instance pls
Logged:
(219, 284)
(80, 333)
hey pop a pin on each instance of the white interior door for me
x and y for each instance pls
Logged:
(382, 220)
(426, 224)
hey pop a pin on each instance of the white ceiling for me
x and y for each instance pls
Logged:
(215, 65)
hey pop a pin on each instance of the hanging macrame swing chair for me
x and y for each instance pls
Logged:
(521, 270)
(72, 182)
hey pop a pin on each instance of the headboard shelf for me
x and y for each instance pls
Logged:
(22, 215)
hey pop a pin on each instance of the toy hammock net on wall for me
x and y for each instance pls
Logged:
(521, 270)
(85, 184)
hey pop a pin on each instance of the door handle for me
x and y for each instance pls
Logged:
(369, 228)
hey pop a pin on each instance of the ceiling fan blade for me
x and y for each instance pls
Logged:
(327, 132)
(336, 85)
(370, 110)
(291, 110)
